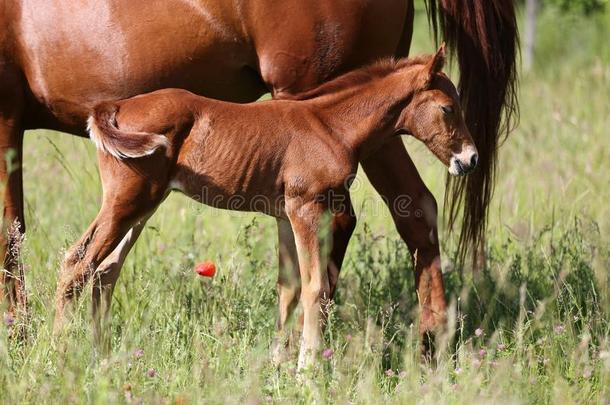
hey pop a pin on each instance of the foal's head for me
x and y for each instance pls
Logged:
(434, 116)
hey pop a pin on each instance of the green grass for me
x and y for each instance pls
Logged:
(543, 303)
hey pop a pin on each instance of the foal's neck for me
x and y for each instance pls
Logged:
(365, 115)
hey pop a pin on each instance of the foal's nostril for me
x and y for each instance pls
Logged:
(474, 160)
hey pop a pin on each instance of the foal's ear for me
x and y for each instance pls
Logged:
(435, 65)
(437, 62)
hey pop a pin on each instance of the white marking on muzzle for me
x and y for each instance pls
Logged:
(464, 162)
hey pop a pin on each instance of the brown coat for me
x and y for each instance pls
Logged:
(293, 160)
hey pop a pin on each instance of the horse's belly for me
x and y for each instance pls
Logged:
(240, 172)
(224, 192)
(74, 57)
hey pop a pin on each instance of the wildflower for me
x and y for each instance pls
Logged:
(9, 320)
(151, 372)
(559, 329)
(482, 353)
(478, 332)
(390, 373)
(348, 338)
(327, 353)
(501, 347)
(138, 353)
(206, 269)
(458, 370)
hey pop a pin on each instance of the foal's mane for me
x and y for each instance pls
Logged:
(359, 76)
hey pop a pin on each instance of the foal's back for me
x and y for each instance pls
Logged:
(227, 154)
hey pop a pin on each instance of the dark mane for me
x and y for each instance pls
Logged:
(359, 76)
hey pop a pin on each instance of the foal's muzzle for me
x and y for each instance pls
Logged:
(464, 162)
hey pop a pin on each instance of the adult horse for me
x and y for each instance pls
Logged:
(59, 58)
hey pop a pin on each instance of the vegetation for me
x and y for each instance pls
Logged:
(581, 6)
(533, 327)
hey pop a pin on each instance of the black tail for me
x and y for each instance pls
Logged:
(484, 34)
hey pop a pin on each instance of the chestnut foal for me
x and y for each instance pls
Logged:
(289, 159)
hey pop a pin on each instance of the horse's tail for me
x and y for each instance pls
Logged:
(484, 34)
(109, 138)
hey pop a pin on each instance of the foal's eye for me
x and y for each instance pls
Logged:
(447, 109)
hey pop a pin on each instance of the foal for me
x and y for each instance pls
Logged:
(290, 159)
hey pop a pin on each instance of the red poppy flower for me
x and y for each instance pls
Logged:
(206, 269)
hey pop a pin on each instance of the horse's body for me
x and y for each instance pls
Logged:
(58, 58)
(291, 160)
(73, 56)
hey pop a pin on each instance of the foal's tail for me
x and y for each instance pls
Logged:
(103, 130)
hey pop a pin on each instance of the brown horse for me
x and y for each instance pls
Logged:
(58, 60)
(292, 160)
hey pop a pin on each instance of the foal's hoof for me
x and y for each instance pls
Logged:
(307, 359)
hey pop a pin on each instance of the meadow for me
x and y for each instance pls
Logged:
(532, 327)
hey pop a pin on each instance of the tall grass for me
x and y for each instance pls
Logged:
(533, 327)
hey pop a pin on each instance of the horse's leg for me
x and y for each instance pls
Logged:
(12, 279)
(315, 289)
(343, 225)
(102, 237)
(105, 278)
(288, 288)
(414, 211)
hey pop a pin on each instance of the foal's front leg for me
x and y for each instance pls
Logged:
(288, 288)
(343, 225)
(305, 219)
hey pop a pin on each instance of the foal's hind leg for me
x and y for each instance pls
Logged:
(102, 237)
(288, 288)
(113, 222)
(104, 280)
